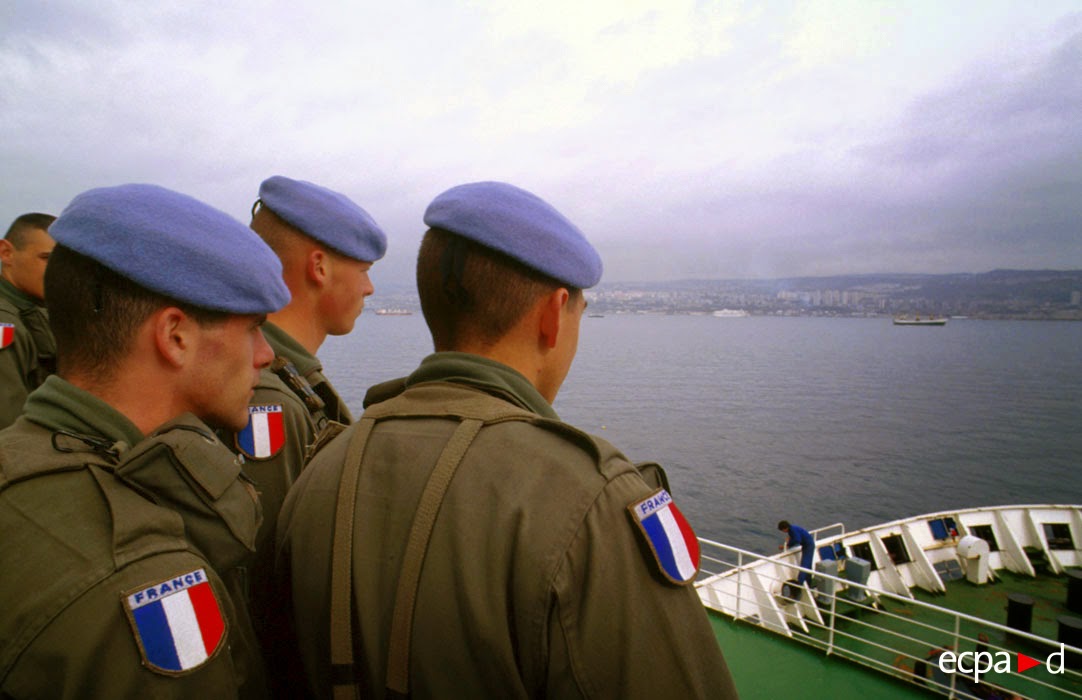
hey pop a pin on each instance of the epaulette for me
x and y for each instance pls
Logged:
(287, 372)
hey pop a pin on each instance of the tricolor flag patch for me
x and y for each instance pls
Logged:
(669, 535)
(265, 434)
(7, 334)
(178, 623)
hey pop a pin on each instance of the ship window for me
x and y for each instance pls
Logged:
(1058, 536)
(896, 549)
(952, 528)
(863, 550)
(986, 533)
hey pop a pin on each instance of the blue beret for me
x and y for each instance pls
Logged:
(520, 225)
(174, 245)
(330, 218)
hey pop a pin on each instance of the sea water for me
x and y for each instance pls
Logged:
(813, 420)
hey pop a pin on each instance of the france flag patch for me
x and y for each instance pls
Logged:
(7, 334)
(178, 623)
(265, 434)
(669, 535)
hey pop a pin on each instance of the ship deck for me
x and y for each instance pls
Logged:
(895, 635)
(766, 666)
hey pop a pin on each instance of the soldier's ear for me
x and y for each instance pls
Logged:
(172, 329)
(6, 251)
(317, 267)
(551, 319)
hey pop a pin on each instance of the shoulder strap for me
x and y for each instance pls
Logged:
(287, 372)
(21, 457)
(343, 667)
(424, 519)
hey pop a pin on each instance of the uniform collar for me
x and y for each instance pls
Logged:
(16, 296)
(492, 377)
(286, 346)
(60, 405)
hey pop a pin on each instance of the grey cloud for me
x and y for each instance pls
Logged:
(983, 173)
(729, 166)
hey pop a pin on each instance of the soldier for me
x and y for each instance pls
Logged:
(127, 524)
(27, 348)
(326, 244)
(477, 545)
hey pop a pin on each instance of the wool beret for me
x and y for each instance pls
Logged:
(520, 225)
(329, 217)
(174, 245)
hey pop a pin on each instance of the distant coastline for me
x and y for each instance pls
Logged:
(1040, 295)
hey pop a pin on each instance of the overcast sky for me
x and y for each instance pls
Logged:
(686, 139)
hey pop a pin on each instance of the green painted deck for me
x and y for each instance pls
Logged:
(767, 665)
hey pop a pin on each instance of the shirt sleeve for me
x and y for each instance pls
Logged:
(95, 648)
(616, 627)
(274, 475)
(14, 369)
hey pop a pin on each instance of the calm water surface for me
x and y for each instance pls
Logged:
(815, 420)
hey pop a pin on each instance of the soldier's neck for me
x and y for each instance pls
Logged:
(511, 351)
(304, 327)
(130, 399)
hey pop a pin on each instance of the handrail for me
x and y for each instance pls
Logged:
(774, 571)
(819, 532)
(878, 592)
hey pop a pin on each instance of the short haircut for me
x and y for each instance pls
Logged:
(783, 525)
(472, 293)
(273, 229)
(281, 236)
(23, 225)
(95, 312)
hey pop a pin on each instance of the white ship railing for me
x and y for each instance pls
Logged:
(828, 531)
(747, 586)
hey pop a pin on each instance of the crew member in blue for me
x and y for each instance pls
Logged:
(799, 537)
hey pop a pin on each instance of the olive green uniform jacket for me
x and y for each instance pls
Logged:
(310, 407)
(30, 357)
(536, 582)
(93, 515)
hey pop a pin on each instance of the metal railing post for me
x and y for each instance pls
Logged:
(957, 634)
(739, 583)
(833, 621)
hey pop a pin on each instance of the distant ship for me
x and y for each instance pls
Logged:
(918, 321)
(730, 313)
(393, 312)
